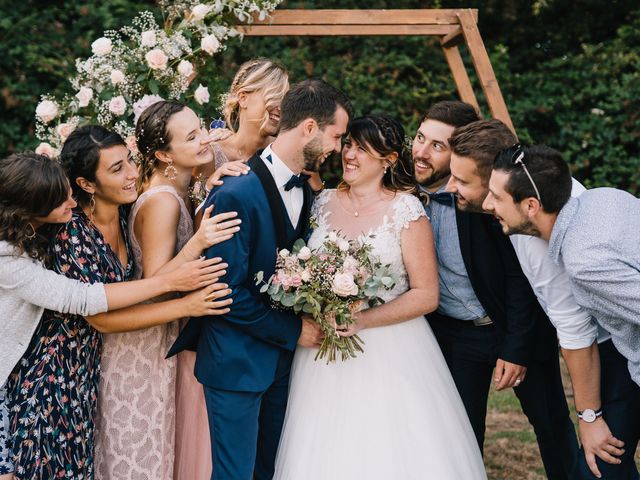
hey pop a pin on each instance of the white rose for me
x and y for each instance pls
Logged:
(201, 94)
(305, 275)
(117, 77)
(304, 253)
(333, 236)
(101, 46)
(148, 38)
(118, 105)
(84, 96)
(47, 111)
(343, 245)
(284, 253)
(200, 11)
(46, 150)
(210, 44)
(156, 59)
(185, 68)
(218, 6)
(64, 130)
(344, 285)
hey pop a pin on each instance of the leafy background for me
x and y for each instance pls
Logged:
(569, 70)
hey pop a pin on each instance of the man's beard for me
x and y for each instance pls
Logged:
(435, 177)
(312, 154)
(471, 207)
(525, 227)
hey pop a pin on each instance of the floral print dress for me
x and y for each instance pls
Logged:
(53, 390)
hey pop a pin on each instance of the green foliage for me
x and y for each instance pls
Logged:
(555, 60)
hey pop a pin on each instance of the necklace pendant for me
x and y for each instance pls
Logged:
(356, 214)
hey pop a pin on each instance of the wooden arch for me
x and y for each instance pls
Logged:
(453, 26)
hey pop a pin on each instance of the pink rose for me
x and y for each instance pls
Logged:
(295, 280)
(84, 96)
(116, 77)
(64, 130)
(350, 265)
(304, 253)
(185, 68)
(47, 111)
(305, 275)
(200, 11)
(132, 144)
(118, 105)
(343, 285)
(144, 103)
(102, 46)
(201, 94)
(46, 150)
(210, 44)
(156, 59)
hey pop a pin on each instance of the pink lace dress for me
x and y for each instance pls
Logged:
(152, 416)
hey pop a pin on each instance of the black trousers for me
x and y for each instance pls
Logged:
(621, 410)
(471, 353)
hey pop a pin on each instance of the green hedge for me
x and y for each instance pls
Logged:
(568, 70)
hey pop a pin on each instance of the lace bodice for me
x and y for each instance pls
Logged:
(383, 231)
(183, 234)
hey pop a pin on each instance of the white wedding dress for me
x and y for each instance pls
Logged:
(392, 413)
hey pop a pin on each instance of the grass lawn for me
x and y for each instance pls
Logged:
(511, 451)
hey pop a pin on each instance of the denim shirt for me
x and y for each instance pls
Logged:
(457, 298)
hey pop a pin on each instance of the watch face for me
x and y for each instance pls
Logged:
(589, 415)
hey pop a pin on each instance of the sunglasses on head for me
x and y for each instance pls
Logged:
(517, 158)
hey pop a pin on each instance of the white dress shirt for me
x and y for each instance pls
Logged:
(576, 328)
(294, 198)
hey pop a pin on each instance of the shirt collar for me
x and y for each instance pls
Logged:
(281, 173)
(560, 228)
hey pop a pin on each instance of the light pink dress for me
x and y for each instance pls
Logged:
(152, 416)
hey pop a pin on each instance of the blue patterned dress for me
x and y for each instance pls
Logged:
(53, 390)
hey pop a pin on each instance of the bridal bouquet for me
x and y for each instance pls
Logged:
(330, 284)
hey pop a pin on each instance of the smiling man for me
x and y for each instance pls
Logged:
(488, 319)
(593, 242)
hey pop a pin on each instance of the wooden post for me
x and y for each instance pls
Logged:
(460, 76)
(483, 68)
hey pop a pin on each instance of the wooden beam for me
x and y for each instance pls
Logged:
(452, 39)
(460, 76)
(484, 69)
(344, 30)
(364, 17)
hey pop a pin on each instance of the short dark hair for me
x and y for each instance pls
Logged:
(481, 141)
(548, 170)
(80, 155)
(315, 99)
(452, 112)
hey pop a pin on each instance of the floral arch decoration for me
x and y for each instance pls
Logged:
(135, 66)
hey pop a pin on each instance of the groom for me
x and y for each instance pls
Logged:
(244, 357)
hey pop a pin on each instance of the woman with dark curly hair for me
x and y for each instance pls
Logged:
(53, 390)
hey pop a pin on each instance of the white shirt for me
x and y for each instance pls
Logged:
(576, 328)
(294, 198)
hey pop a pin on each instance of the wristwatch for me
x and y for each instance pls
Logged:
(589, 416)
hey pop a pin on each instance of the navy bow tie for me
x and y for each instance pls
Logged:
(443, 198)
(296, 181)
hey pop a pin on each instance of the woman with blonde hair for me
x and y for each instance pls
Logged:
(252, 113)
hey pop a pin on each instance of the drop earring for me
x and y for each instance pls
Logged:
(170, 171)
(31, 235)
(92, 206)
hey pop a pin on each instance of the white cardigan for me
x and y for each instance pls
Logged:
(26, 289)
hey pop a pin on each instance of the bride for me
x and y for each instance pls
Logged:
(394, 411)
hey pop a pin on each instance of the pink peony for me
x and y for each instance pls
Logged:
(84, 96)
(64, 130)
(46, 150)
(47, 111)
(201, 94)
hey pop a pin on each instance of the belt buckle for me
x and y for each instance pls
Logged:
(481, 322)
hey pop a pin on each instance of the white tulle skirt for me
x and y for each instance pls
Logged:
(392, 413)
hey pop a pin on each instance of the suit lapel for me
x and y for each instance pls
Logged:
(273, 197)
(463, 220)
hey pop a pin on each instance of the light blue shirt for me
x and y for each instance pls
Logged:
(457, 298)
(596, 238)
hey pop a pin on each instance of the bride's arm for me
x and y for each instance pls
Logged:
(419, 258)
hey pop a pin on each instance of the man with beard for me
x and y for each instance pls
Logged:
(488, 319)
(593, 240)
(244, 357)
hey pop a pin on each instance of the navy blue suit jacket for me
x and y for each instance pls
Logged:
(240, 350)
